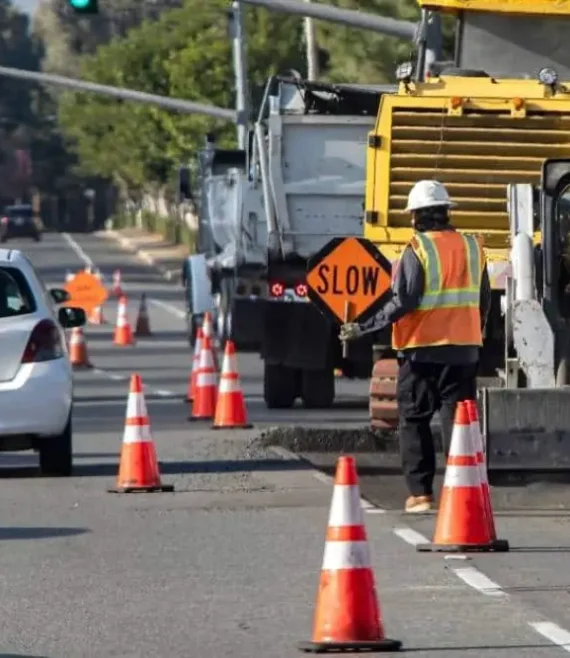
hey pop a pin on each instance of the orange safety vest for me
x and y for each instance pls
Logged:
(448, 313)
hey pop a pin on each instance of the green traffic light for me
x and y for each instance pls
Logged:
(84, 6)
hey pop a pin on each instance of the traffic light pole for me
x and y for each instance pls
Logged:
(240, 72)
(177, 104)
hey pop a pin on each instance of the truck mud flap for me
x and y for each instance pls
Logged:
(247, 323)
(526, 431)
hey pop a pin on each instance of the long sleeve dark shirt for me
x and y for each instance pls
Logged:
(407, 292)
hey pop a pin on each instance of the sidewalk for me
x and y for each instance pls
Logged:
(151, 248)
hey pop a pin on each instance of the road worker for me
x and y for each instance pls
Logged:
(440, 301)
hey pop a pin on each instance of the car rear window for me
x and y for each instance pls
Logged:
(16, 298)
(19, 212)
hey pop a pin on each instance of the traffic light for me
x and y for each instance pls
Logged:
(84, 6)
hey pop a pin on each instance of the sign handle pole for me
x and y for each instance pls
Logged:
(347, 319)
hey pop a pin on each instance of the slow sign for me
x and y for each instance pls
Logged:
(349, 279)
(86, 292)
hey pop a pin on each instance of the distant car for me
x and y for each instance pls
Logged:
(36, 380)
(19, 221)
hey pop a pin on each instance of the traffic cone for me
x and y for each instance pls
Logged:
(461, 521)
(138, 467)
(501, 545)
(230, 408)
(204, 406)
(347, 615)
(143, 324)
(96, 316)
(191, 395)
(78, 350)
(116, 287)
(123, 334)
(208, 331)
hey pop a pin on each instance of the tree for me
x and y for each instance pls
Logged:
(185, 53)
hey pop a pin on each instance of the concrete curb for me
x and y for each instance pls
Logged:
(128, 245)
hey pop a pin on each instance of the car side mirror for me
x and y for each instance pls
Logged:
(59, 295)
(70, 317)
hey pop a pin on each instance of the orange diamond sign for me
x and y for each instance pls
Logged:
(349, 279)
(86, 292)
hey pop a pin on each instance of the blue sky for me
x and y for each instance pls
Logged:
(27, 5)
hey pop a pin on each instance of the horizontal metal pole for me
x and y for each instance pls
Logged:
(178, 104)
(389, 26)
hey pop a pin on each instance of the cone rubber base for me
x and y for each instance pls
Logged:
(165, 488)
(202, 419)
(496, 546)
(247, 426)
(377, 646)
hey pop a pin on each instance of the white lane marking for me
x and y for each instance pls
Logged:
(410, 536)
(556, 634)
(77, 249)
(374, 510)
(163, 393)
(479, 581)
(169, 307)
(121, 378)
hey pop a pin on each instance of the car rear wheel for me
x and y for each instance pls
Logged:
(56, 453)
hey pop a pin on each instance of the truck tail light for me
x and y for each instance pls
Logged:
(276, 289)
(301, 290)
(44, 343)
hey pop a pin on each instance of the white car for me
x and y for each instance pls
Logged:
(36, 378)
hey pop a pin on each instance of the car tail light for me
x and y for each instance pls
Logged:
(301, 290)
(276, 289)
(44, 343)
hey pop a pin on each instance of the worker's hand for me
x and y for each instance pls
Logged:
(350, 331)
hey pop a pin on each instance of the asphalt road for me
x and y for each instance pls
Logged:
(228, 564)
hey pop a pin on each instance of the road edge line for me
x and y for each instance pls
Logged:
(284, 453)
(128, 245)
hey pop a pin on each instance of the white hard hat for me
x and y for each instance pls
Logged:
(428, 194)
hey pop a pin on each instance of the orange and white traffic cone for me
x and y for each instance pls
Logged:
(348, 614)
(78, 350)
(230, 408)
(123, 335)
(204, 406)
(191, 395)
(208, 331)
(96, 316)
(116, 288)
(461, 521)
(138, 467)
(142, 328)
(500, 545)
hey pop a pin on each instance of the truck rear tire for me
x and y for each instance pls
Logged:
(318, 388)
(279, 386)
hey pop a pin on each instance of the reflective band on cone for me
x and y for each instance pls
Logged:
(499, 544)
(138, 468)
(461, 521)
(191, 395)
(230, 408)
(347, 614)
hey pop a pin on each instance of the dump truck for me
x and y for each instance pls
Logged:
(232, 239)
(484, 122)
(308, 159)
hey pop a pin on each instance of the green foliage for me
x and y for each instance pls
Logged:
(187, 54)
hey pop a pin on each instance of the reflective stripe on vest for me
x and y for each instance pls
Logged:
(448, 313)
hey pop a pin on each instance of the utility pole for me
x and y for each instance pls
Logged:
(240, 73)
(312, 49)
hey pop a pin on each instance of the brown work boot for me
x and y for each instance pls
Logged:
(418, 504)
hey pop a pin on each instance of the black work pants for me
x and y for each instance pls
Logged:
(424, 389)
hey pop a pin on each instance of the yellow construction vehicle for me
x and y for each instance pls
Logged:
(484, 122)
